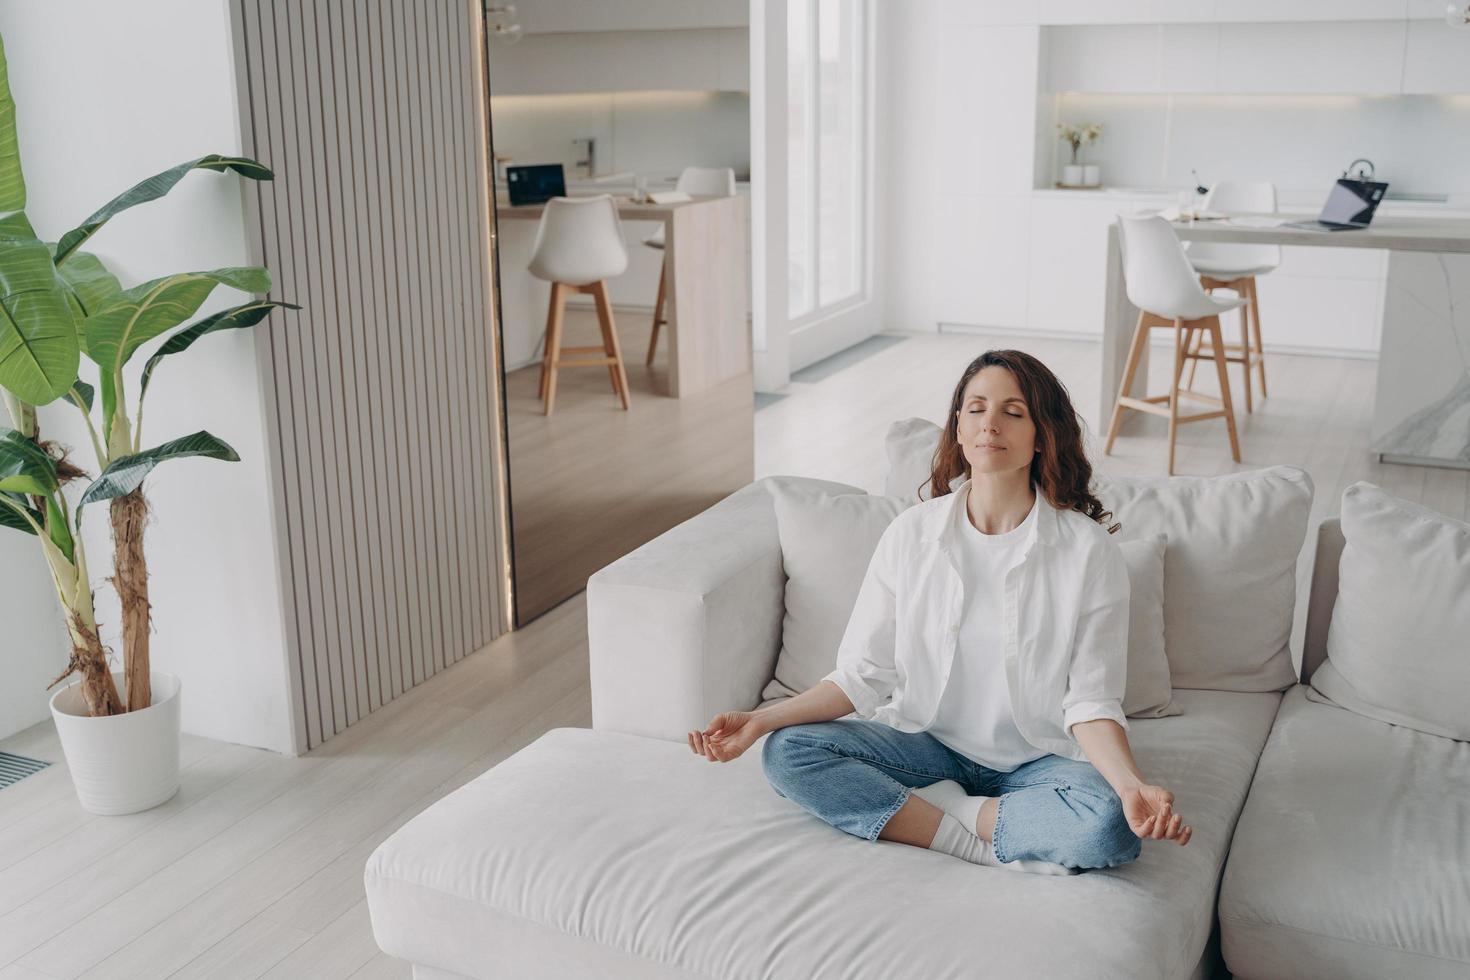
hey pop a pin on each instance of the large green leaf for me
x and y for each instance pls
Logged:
(151, 190)
(24, 466)
(89, 285)
(11, 507)
(12, 182)
(38, 331)
(126, 475)
(135, 316)
(82, 393)
(235, 318)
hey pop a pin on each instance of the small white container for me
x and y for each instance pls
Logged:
(1072, 174)
(121, 763)
(1091, 174)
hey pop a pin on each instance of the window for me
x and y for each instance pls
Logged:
(826, 84)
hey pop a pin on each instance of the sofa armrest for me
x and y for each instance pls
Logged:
(689, 624)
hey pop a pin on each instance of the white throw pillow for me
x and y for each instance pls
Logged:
(910, 445)
(1149, 691)
(1398, 646)
(1233, 542)
(827, 543)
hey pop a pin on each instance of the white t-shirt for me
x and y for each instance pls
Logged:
(975, 717)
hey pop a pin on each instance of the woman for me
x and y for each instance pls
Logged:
(986, 658)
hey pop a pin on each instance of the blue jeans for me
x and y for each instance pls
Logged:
(856, 774)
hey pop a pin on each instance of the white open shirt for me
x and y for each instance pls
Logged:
(1065, 630)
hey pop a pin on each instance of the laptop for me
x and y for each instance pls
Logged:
(536, 184)
(1350, 205)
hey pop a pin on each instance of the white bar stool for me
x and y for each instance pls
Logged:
(1163, 286)
(711, 181)
(1235, 267)
(579, 244)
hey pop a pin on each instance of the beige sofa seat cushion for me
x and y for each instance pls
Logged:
(1352, 857)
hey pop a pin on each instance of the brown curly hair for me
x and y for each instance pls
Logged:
(1060, 470)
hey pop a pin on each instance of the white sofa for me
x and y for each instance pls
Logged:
(1351, 860)
(616, 852)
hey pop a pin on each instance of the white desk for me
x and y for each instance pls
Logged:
(1421, 409)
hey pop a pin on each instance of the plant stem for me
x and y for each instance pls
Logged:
(22, 415)
(91, 429)
(130, 579)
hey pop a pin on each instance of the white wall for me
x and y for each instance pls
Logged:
(1420, 144)
(654, 134)
(108, 94)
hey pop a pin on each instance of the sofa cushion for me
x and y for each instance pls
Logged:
(1351, 858)
(641, 848)
(1229, 569)
(1148, 692)
(1398, 648)
(827, 542)
(1230, 565)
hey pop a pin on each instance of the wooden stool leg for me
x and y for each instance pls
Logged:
(1245, 342)
(1174, 389)
(546, 343)
(553, 343)
(605, 316)
(1260, 351)
(1213, 325)
(658, 317)
(607, 346)
(1135, 351)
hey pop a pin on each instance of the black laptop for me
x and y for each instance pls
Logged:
(1350, 205)
(536, 184)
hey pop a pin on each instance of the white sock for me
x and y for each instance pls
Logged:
(954, 838)
(951, 797)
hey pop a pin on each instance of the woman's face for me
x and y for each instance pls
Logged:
(995, 427)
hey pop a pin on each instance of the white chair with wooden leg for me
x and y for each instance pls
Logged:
(579, 245)
(1235, 267)
(698, 181)
(1164, 287)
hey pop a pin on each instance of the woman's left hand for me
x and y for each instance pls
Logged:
(1150, 813)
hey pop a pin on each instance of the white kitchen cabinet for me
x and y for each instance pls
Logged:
(622, 61)
(981, 256)
(1068, 260)
(988, 104)
(1345, 57)
(1437, 58)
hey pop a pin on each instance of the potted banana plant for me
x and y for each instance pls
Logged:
(119, 729)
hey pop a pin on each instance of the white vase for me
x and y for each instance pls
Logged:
(1072, 174)
(121, 763)
(1091, 174)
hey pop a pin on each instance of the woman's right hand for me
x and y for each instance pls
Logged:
(727, 736)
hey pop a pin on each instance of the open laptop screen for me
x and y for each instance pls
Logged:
(1352, 202)
(535, 184)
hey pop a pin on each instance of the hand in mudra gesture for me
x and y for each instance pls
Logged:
(728, 735)
(1150, 813)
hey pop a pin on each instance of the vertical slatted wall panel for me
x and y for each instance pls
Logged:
(383, 391)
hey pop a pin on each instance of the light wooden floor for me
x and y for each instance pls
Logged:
(255, 868)
(592, 481)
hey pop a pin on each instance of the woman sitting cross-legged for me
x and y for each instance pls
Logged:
(986, 658)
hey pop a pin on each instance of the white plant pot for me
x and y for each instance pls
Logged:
(1091, 174)
(1072, 174)
(121, 763)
